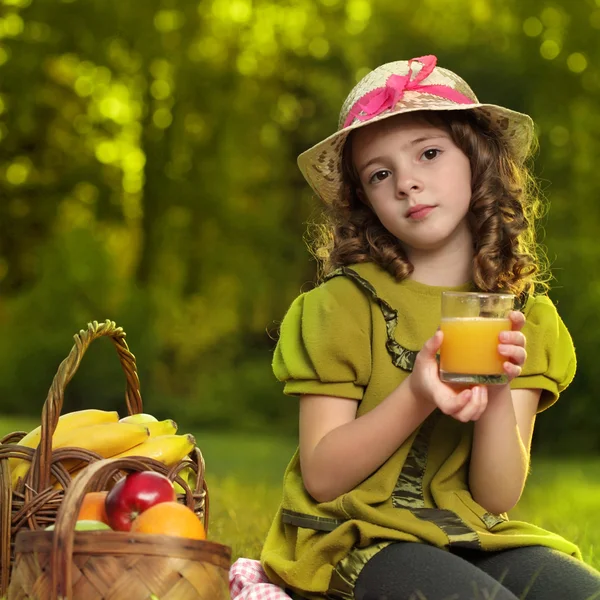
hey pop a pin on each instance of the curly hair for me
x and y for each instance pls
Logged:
(505, 206)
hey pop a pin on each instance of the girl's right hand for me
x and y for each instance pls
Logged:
(424, 381)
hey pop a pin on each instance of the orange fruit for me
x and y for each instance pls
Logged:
(92, 507)
(169, 518)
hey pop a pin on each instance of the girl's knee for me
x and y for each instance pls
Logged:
(540, 573)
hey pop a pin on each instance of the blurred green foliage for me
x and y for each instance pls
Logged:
(147, 175)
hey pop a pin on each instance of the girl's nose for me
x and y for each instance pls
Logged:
(407, 184)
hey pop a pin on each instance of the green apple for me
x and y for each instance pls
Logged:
(86, 525)
(139, 418)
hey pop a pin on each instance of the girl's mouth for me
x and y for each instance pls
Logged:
(419, 212)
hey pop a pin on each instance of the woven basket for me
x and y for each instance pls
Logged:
(34, 503)
(112, 565)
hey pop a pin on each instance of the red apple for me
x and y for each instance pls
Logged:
(134, 494)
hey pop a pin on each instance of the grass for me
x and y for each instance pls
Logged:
(244, 475)
(564, 496)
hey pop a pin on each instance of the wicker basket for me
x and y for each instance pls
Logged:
(112, 565)
(34, 503)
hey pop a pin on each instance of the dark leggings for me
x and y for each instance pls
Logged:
(410, 571)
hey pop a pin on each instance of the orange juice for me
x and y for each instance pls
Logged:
(470, 345)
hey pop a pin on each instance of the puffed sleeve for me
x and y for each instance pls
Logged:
(551, 362)
(324, 344)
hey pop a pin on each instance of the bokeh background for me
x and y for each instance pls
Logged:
(148, 176)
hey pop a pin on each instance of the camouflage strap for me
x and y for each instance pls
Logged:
(408, 491)
(401, 356)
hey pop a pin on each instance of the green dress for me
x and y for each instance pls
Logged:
(356, 336)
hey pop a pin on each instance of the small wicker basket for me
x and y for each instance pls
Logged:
(34, 503)
(112, 565)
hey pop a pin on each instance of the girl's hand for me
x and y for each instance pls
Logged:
(512, 345)
(424, 382)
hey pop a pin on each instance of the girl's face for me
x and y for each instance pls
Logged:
(416, 180)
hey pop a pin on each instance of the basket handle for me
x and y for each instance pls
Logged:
(5, 523)
(42, 458)
(66, 518)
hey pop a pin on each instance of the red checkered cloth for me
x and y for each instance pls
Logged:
(248, 581)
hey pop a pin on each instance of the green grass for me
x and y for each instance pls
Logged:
(244, 475)
(564, 496)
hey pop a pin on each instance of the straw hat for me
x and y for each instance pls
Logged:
(402, 87)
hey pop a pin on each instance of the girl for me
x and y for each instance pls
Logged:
(401, 483)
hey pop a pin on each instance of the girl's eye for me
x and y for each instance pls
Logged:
(431, 154)
(379, 176)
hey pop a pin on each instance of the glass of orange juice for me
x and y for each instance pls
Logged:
(471, 323)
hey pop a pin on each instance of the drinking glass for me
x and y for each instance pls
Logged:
(471, 323)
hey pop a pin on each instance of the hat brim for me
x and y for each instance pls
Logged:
(321, 164)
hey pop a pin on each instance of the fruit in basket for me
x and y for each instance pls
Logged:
(72, 420)
(69, 421)
(86, 525)
(167, 449)
(93, 507)
(166, 427)
(155, 427)
(135, 494)
(107, 439)
(139, 418)
(170, 518)
(189, 476)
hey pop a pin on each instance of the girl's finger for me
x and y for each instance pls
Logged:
(451, 404)
(432, 345)
(517, 319)
(512, 370)
(516, 354)
(472, 408)
(514, 338)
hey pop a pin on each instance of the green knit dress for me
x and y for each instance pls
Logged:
(356, 336)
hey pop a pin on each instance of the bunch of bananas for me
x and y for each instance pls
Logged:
(103, 432)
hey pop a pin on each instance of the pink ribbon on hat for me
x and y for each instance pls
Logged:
(384, 98)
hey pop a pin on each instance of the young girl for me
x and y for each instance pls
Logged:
(401, 483)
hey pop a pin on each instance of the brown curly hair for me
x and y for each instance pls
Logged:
(505, 206)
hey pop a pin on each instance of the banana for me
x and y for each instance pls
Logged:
(167, 449)
(139, 418)
(156, 427)
(107, 439)
(189, 476)
(166, 427)
(19, 471)
(73, 420)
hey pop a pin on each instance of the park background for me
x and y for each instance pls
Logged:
(148, 176)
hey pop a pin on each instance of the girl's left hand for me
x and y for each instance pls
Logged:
(512, 345)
